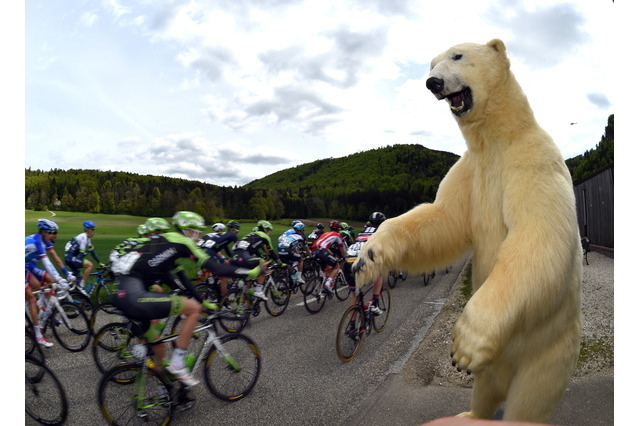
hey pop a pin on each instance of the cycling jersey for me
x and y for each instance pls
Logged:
(34, 251)
(328, 240)
(255, 241)
(289, 246)
(215, 243)
(76, 250)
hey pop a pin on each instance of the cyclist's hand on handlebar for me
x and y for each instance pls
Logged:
(70, 277)
(265, 268)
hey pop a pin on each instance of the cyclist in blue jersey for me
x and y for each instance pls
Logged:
(76, 251)
(290, 245)
(35, 250)
(217, 242)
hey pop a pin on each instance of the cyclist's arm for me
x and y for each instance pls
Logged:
(58, 261)
(49, 267)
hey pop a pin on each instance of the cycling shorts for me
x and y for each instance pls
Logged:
(30, 269)
(289, 256)
(244, 259)
(326, 257)
(138, 303)
(75, 264)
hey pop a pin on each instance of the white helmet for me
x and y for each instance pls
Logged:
(218, 227)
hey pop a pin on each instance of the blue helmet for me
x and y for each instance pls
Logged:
(299, 226)
(88, 224)
(47, 225)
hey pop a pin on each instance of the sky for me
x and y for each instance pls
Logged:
(229, 91)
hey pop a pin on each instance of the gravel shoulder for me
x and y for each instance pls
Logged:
(430, 364)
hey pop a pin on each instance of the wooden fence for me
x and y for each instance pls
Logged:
(594, 202)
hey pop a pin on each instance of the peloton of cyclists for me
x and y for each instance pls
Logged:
(138, 263)
(326, 247)
(247, 252)
(315, 234)
(217, 242)
(76, 251)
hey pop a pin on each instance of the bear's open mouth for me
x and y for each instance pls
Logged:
(460, 102)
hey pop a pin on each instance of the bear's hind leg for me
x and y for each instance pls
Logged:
(489, 391)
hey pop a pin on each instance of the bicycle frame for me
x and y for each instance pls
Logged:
(54, 296)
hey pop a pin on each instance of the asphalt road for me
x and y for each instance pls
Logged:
(302, 381)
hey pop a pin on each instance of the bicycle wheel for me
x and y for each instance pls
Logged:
(310, 270)
(278, 295)
(233, 375)
(33, 349)
(313, 296)
(112, 346)
(350, 333)
(207, 293)
(44, 397)
(235, 315)
(104, 292)
(103, 314)
(144, 400)
(341, 287)
(81, 300)
(71, 329)
(384, 303)
(393, 279)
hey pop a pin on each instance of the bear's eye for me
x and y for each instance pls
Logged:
(457, 56)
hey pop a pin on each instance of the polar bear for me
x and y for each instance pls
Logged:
(510, 199)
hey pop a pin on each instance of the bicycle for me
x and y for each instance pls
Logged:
(358, 320)
(72, 330)
(99, 282)
(315, 295)
(393, 277)
(239, 304)
(231, 368)
(45, 398)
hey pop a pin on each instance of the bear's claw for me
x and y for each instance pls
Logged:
(370, 253)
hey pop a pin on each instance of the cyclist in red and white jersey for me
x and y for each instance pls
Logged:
(327, 246)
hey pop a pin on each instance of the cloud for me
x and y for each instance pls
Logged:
(599, 100)
(542, 37)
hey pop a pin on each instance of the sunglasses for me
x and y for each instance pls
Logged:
(53, 232)
(91, 229)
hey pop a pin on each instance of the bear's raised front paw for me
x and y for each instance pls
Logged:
(472, 347)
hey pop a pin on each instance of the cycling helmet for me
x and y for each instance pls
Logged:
(142, 230)
(263, 225)
(293, 224)
(377, 218)
(47, 225)
(154, 224)
(183, 220)
(335, 225)
(344, 226)
(320, 226)
(299, 226)
(218, 227)
(232, 224)
(88, 224)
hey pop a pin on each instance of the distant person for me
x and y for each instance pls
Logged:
(76, 251)
(327, 247)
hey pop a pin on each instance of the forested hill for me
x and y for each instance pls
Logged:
(392, 179)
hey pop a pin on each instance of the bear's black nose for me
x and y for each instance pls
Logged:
(435, 84)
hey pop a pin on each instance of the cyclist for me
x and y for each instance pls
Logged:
(346, 234)
(326, 247)
(218, 227)
(143, 231)
(315, 234)
(247, 252)
(138, 263)
(374, 222)
(77, 249)
(157, 225)
(35, 249)
(290, 245)
(215, 243)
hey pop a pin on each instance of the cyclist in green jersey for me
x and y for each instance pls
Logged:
(139, 262)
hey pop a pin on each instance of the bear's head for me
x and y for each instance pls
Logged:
(468, 75)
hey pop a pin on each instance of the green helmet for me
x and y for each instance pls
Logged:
(344, 226)
(142, 229)
(154, 224)
(263, 225)
(184, 220)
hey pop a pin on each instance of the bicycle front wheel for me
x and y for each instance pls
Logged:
(103, 314)
(104, 292)
(44, 397)
(112, 346)
(70, 327)
(384, 303)
(231, 376)
(350, 333)
(143, 400)
(278, 295)
(235, 314)
(313, 295)
(341, 287)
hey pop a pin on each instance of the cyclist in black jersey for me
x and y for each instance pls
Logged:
(139, 262)
(247, 252)
(215, 244)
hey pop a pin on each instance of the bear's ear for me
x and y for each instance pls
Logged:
(498, 45)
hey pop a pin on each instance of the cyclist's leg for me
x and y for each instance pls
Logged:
(33, 307)
(88, 267)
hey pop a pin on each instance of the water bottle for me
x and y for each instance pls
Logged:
(190, 361)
